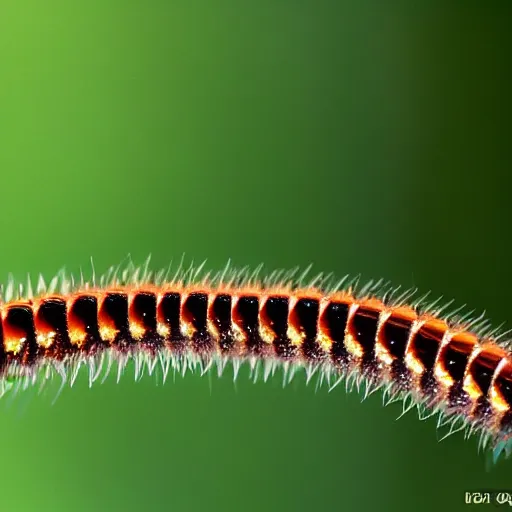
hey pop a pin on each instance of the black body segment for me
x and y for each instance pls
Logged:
(276, 312)
(143, 308)
(83, 312)
(221, 318)
(335, 318)
(170, 313)
(364, 329)
(394, 336)
(305, 314)
(195, 311)
(115, 307)
(246, 315)
(454, 359)
(21, 320)
(53, 312)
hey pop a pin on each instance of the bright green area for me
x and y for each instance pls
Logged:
(369, 137)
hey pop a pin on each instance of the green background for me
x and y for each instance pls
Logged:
(365, 137)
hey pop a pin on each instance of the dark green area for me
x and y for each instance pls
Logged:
(366, 137)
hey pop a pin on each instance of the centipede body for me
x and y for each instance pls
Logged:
(444, 363)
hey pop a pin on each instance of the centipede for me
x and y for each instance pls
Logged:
(432, 357)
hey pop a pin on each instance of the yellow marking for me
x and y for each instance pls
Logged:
(137, 331)
(108, 333)
(188, 330)
(324, 341)
(77, 337)
(442, 376)
(474, 354)
(163, 329)
(266, 334)
(294, 334)
(296, 337)
(410, 361)
(413, 364)
(14, 344)
(46, 340)
(383, 354)
(352, 346)
(238, 334)
(471, 387)
(497, 400)
(210, 324)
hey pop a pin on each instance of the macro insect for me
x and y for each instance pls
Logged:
(372, 337)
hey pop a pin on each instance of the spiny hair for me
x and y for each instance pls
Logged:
(437, 359)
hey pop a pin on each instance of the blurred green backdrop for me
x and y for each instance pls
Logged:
(366, 137)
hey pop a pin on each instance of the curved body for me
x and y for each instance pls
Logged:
(438, 364)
